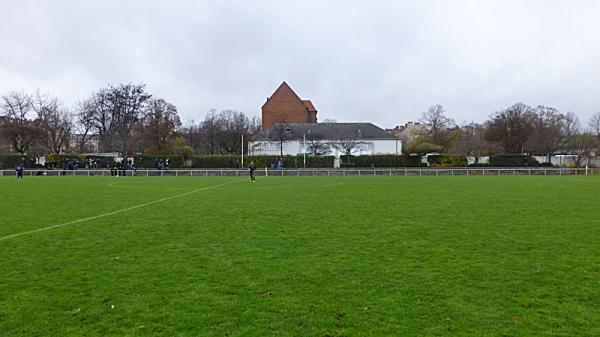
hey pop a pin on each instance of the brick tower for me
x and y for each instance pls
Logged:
(284, 106)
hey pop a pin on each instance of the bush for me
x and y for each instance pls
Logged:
(9, 161)
(513, 160)
(234, 162)
(215, 161)
(58, 160)
(447, 160)
(381, 161)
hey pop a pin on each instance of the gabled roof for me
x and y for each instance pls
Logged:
(282, 90)
(309, 106)
(329, 131)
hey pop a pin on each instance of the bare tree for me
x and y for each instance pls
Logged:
(281, 133)
(83, 127)
(315, 144)
(232, 125)
(348, 142)
(438, 127)
(18, 128)
(192, 136)
(583, 145)
(209, 129)
(113, 113)
(129, 102)
(221, 133)
(55, 123)
(471, 141)
(158, 127)
(594, 123)
(511, 128)
(571, 124)
(548, 131)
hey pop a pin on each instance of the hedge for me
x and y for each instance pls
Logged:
(447, 160)
(513, 160)
(381, 161)
(9, 161)
(234, 162)
(150, 161)
(57, 160)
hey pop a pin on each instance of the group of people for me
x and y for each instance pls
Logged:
(252, 168)
(120, 169)
(162, 164)
(278, 163)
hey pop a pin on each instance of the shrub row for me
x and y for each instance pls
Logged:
(447, 160)
(153, 161)
(225, 161)
(233, 162)
(513, 160)
(9, 161)
(58, 160)
(381, 161)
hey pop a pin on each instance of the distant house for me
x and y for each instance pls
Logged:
(284, 106)
(408, 132)
(92, 143)
(327, 138)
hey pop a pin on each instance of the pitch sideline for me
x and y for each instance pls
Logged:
(117, 211)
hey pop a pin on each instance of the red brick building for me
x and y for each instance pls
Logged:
(284, 106)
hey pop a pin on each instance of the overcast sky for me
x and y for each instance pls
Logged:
(379, 61)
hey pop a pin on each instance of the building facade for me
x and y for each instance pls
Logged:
(334, 139)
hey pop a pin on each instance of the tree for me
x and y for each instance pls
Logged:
(18, 128)
(55, 123)
(191, 136)
(438, 127)
(129, 102)
(471, 141)
(594, 123)
(348, 143)
(221, 133)
(158, 127)
(421, 146)
(232, 125)
(583, 144)
(548, 131)
(315, 144)
(570, 125)
(83, 126)
(113, 113)
(281, 134)
(209, 129)
(510, 128)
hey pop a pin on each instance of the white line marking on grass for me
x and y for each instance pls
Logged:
(117, 211)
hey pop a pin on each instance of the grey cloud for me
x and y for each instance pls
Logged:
(379, 61)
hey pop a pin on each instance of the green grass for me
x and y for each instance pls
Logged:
(294, 256)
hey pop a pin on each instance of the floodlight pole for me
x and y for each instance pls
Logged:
(304, 138)
(242, 150)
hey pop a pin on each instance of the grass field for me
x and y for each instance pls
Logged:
(294, 256)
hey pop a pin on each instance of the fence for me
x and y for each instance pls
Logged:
(326, 172)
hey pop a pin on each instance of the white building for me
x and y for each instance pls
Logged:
(325, 138)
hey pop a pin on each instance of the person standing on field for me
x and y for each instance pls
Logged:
(19, 171)
(251, 170)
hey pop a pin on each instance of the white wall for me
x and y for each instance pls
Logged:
(294, 147)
